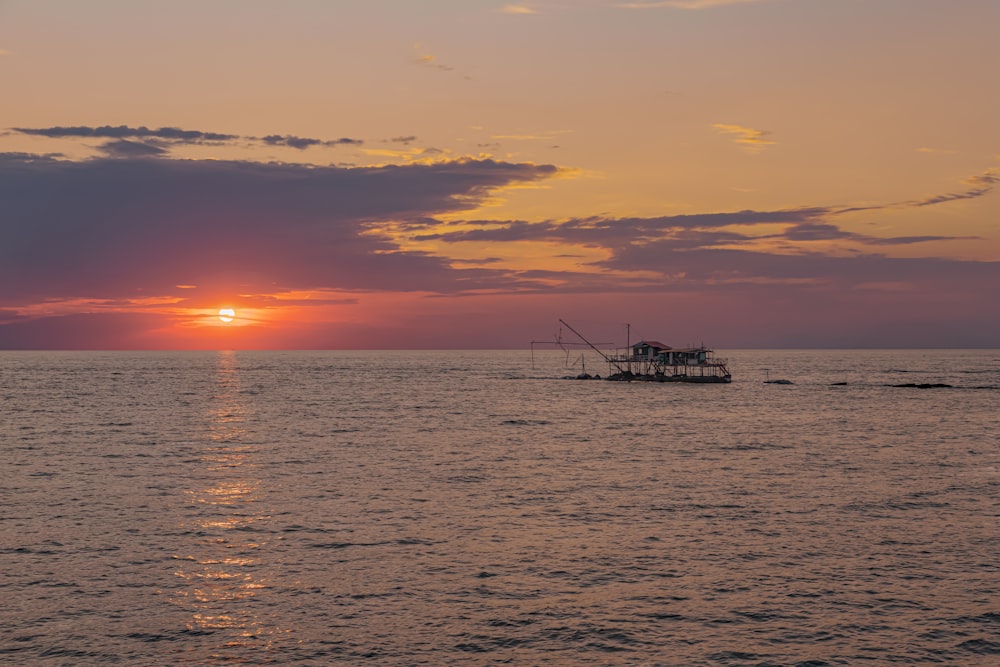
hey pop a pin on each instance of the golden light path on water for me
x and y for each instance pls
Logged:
(226, 568)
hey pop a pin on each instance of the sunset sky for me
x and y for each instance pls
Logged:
(462, 173)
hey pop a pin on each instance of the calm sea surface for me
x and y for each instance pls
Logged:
(466, 508)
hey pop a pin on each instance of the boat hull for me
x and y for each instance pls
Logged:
(700, 379)
(694, 379)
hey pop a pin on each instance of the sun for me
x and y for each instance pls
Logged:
(227, 314)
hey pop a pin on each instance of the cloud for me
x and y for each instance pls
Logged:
(980, 185)
(813, 231)
(935, 151)
(687, 232)
(520, 10)
(128, 230)
(126, 132)
(427, 60)
(305, 142)
(7, 316)
(752, 139)
(718, 267)
(109, 228)
(30, 157)
(424, 59)
(112, 228)
(288, 140)
(90, 331)
(158, 141)
(131, 149)
(614, 232)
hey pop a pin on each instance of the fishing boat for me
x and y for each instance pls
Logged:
(652, 361)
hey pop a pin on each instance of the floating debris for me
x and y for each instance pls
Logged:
(768, 380)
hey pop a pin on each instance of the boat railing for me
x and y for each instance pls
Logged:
(626, 359)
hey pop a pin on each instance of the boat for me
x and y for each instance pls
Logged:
(652, 361)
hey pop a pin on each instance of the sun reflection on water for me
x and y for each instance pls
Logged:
(225, 570)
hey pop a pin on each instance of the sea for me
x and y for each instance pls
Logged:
(480, 508)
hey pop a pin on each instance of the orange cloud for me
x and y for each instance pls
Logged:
(752, 139)
(518, 9)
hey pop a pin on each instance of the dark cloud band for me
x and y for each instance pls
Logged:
(158, 140)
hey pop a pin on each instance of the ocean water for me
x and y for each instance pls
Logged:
(471, 508)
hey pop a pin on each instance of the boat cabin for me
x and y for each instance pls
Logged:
(664, 354)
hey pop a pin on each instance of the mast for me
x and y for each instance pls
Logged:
(606, 357)
(628, 345)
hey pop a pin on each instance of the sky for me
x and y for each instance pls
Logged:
(403, 174)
